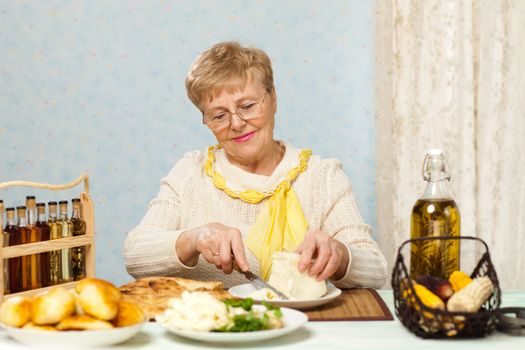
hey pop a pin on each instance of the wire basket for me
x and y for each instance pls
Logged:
(426, 322)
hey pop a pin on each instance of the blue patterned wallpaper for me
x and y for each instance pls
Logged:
(98, 87)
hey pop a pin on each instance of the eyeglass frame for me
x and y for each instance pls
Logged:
(261, 101)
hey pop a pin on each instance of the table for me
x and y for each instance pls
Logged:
(330, 335)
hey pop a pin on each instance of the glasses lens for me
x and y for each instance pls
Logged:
(218, 121)
(251, 110)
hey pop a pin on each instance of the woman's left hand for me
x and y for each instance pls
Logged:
(331, 256)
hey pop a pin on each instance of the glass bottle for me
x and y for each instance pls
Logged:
(435, 214)
(65, 228)
(55, 257)
(44, 236)
(5, 242)
(34, 236)
(14, 264)
(23, 233)
(78, 254)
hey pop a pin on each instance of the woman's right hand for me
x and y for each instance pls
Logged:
(218, 244)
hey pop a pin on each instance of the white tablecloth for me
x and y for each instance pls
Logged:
(328, 335)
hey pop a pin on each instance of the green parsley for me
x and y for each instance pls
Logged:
(246, 304)
(251, 321)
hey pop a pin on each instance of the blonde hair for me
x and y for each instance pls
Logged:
(227, 65)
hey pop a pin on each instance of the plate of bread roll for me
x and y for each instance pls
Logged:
(91, 314)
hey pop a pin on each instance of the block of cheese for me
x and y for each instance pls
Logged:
(286, 278)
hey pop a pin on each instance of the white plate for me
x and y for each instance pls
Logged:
(75, 339)
(244, 290)
(292, 320)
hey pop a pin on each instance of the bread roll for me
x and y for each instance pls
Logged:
(78, 308)
(286, 278)
(16, 311)
(128, 314)
(81, 323)
(52, 306)
(98, 298)
(31, 325)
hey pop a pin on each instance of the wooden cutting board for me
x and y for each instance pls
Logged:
(353, 305)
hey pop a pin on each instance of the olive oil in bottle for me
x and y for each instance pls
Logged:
(78, 257)
(65, 228)
(435, 214)
(55, 257)
(34, 236)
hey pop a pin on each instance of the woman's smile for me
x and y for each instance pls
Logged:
(245, 137)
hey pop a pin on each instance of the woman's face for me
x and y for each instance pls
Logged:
(244, 141)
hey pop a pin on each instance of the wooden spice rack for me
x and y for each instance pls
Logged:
(88, 215)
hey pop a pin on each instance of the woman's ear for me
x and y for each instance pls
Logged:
(273, 95)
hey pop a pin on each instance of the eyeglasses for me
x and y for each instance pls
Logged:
(222, 119)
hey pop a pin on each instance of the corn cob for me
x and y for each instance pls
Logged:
(459, 280)
(428, 298)
(470, 298)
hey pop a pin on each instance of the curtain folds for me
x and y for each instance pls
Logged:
(451, 74)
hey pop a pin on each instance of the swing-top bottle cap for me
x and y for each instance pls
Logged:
(435, 167)
(435, 152)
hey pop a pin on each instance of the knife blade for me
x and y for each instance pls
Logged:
(258, 282)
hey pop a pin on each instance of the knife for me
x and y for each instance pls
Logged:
(258, 282)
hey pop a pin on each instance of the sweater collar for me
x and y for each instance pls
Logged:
(241, 180)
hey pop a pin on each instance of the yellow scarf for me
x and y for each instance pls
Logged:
(281, 225)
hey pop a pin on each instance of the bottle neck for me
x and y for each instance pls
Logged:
(11, 220)
(52, 213)
(22, 221)
(31, 216)
(31, 212)
(436, 190)
(63, 212)
(41, 217)
(76, 213)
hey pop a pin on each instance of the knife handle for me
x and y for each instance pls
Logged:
(236, 266)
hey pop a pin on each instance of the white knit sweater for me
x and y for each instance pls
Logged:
(187, 199)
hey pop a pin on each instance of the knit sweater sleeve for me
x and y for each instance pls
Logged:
(367, 266)
(149, 248)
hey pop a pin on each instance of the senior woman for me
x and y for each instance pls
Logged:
(250, 195)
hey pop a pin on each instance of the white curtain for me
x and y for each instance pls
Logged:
(451, 74)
